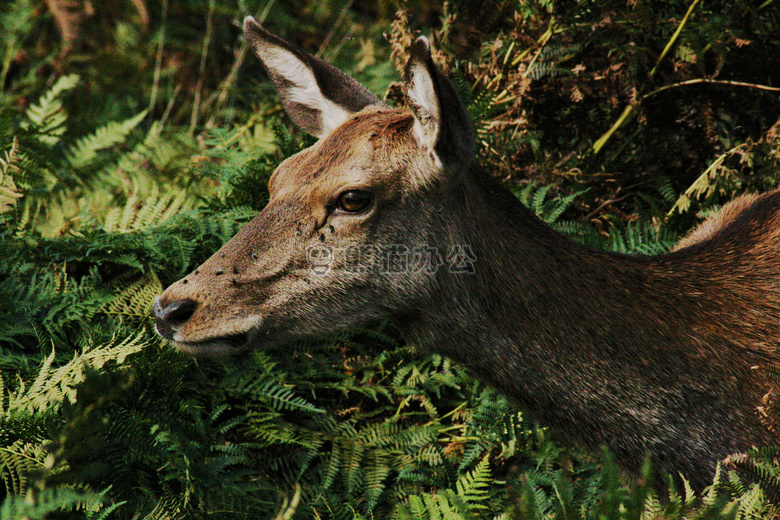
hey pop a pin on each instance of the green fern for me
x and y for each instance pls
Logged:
(141, 212)
(17, 462)
(641, 238)
(49, 301)
(535, 198)
(134, 299)
(93, 179)
(91, 505)
(467, 501)
(84, 151)
(8, 190)
(473, 487)
(759, 466)
(47, 117)
(54, 385)
(712, 179)
(633, 238)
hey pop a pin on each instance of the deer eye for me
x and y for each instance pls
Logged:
(353, 201)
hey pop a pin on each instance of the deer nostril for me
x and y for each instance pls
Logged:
(176, 313)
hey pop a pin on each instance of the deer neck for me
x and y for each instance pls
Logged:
(511, 278)
(576, 335)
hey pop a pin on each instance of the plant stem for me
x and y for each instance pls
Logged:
(673, 39)
(202, 68)
(629, 111)
(710, 81)
(627, 114)
(158, 59)
(333, 28)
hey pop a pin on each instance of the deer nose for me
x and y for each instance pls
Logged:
(168, 318)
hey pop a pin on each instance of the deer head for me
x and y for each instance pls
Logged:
(319, 258)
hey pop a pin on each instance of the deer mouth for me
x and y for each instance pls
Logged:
(215, 347)
(239, 335)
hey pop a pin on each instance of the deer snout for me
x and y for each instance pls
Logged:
(168, 318)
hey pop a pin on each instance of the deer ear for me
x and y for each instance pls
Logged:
(317, 96)
(441, 123)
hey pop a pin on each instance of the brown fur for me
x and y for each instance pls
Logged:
(663, 355)
(718, 221)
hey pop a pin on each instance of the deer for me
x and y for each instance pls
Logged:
(668, 355)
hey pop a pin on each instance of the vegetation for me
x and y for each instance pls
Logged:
(138, 138)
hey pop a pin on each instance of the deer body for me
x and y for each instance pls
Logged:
(642, 354)
(663, 355)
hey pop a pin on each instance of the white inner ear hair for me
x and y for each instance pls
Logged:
(304, 90)
(421, 92)
(421, 96)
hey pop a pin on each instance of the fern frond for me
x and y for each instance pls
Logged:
(17, 461)
(443, 505)
(142, 211)
(55, 500)
(47, 117)
(641, 238)
(707, 182)
(652, 508)
(353, 465)
(334, 463)
(473, 486)
(274, 393)
(52, 386)
(9, 164)
(168, 205)
(541, 69)
(376, 477)
(535, 198)
(44, 373)
(753, 503)
(135, 299)
(85, 150)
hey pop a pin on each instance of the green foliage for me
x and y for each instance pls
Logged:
(592, 87)
(8, 166)
(46, 302)
(630, 238)
(465, 501)
(549, 210)
(50, 501)
(16, 19)
(111, 188)
(47, 117)
(84, 152)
